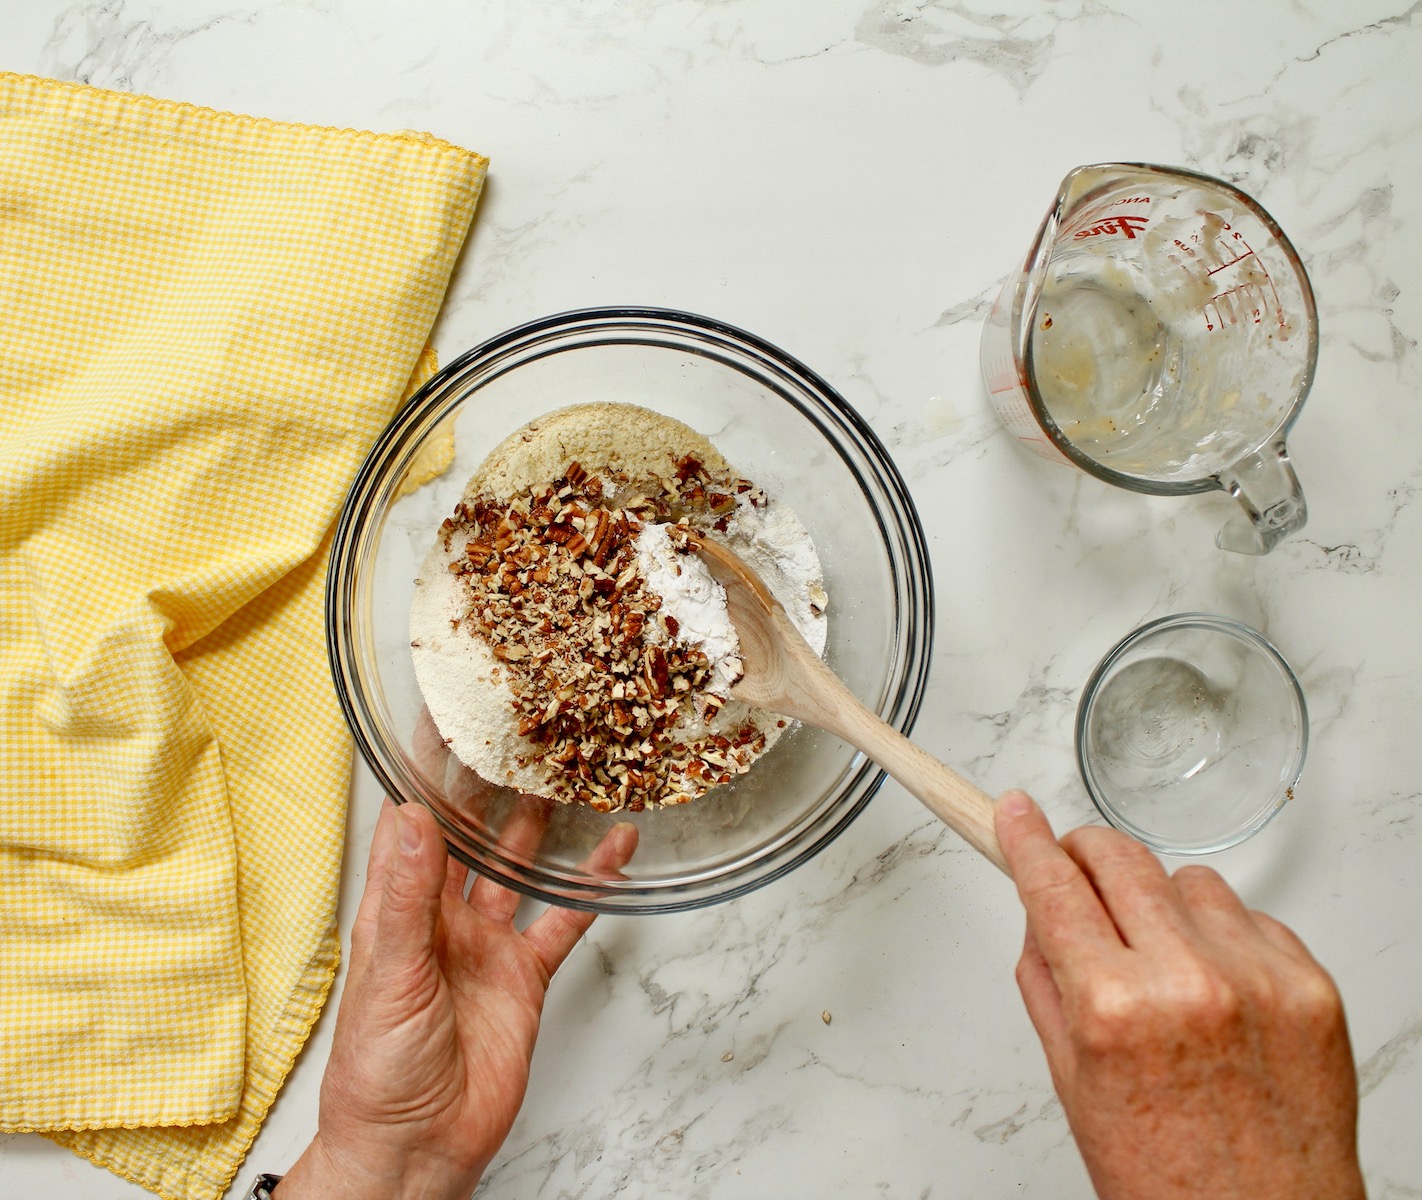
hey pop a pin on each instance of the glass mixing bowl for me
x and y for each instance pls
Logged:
(778, 424)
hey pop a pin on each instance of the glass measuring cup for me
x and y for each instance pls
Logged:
(1161, 334)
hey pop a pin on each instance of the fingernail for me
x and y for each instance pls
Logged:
(1016, 804)
(409, 831)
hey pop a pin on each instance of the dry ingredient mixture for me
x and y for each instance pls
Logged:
(568, 640)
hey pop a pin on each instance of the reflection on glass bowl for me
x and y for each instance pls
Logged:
(777, 423)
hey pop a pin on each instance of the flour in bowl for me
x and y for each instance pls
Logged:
(568, 641)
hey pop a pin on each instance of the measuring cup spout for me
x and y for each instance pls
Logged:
(1266, 485)
(1077, 190)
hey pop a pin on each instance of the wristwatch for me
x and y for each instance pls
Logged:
(264, 1187)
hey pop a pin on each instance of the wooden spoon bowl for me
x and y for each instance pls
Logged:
(784, 675)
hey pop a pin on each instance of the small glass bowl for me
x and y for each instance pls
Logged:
(1191, 734)
(778, 424)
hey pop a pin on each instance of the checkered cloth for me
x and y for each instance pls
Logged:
(205, 319)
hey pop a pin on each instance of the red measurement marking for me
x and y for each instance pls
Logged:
(1237, 258)
(1006, 377)
(1246, 301)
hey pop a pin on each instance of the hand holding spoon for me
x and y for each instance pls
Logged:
(783, 675)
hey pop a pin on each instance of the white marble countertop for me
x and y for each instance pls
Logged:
(850, 179)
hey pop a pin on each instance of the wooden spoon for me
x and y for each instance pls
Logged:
(783, 675)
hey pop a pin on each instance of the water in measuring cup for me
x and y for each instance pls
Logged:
(1144, 371)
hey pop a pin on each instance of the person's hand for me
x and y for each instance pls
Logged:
(1197, 1047)
(437, 1022)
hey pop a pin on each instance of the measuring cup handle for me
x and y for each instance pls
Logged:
(1265, 484)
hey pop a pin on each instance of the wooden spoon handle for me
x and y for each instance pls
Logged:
(790, 678)
(962, 806)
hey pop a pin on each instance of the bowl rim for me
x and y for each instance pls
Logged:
(1230, 627)
(914, 600)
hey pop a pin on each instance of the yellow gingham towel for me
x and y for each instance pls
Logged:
(205, 319)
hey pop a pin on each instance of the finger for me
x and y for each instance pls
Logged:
(613, 852)
(377, 868)
(455, 880)
(519, 837)
(409, 911)
(1132, 884)
(1213, 907)
(1282, 937)
(428, 747)
(461, 786)
(464, 807)
(1070, 924)
(1043, 1000)
(470, 794)
(554, 934)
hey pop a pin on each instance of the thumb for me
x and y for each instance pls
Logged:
(414, 881)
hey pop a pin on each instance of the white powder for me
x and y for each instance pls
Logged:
(770, 539)
(694, 600)
(773, 542)
(462, 681)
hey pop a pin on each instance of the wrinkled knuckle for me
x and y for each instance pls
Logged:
(1265, 992)
(400, 896)
(1048, 881)
(1123, 852)
(402, 988)
(1107, 1018)
(1207, 1000)
(1314, 997)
